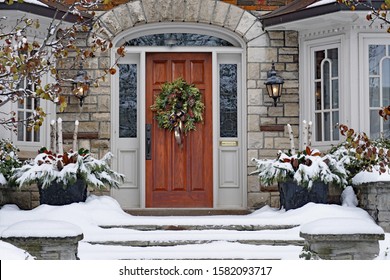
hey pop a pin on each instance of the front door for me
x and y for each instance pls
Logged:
(178, 177)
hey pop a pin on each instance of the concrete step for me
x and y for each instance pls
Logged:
(174, 227)
(136, 238)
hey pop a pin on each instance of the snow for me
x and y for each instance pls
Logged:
(46, 220)
(341, 226)
(34, 229)
(3, 181)
(370, 176)
(348, 197)
(320, 3)
(10, 252)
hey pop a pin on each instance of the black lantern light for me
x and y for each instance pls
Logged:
(274, 84)
(81, 85)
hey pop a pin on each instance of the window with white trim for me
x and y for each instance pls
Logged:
(378, 87)
(326, 93)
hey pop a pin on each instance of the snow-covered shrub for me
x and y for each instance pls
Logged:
(304, 167)
(360, 153)
(8, 160)
(66, 168)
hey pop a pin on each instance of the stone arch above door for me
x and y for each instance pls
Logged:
(216, 13)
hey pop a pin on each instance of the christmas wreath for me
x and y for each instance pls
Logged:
(178, 107)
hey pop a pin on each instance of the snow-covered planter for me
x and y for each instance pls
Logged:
(8, 160)
(63, 171)
(303, 177)
(304, 168)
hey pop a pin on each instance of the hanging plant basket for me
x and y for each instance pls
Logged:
(178, 107)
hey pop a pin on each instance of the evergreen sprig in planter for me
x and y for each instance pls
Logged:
(64, 178)
(302, 176)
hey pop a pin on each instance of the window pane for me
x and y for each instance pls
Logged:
(20, 126)
(319, 56)
(178, 39)
(28, 129)
(333, 55)
(127, 100)
(37, 136)
(335, 94)
(335, 120)
(29, 103)
(374, 124)
(374, 92)
(318, 96)
(375, 53)
(386, 82)
(326, 81)
(318, 127)
(228, 100)
(327, 124)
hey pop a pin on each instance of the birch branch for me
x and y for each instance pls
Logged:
(309, 133)
(304, 134)
(291, 135)
(76, 129)
(60, 143)
(53, 136)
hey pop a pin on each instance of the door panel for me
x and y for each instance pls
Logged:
(178, 177)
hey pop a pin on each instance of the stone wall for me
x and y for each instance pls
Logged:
(267, 130)
(375, 199)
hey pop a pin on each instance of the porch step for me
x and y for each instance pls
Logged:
(135, 238)
(186, 212)
(183, 227)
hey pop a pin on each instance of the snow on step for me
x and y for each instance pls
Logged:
(129, 237)
(214, 250)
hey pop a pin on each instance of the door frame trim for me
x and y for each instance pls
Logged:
(141, 51)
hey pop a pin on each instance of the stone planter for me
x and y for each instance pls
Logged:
(58, 194)
(374, 197)
(293, 196)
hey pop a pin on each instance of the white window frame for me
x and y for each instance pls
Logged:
(307, 85)
(364, 41)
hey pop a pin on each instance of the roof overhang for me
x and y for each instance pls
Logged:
(314, 17)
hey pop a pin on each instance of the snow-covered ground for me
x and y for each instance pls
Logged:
(104, 210)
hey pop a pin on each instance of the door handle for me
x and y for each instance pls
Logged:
(148, 141)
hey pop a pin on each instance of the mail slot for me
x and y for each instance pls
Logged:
(228, 143)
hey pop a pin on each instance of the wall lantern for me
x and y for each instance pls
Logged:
(274, 84)
(80, 85)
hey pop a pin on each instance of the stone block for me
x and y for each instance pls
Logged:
(252, 154)
(291, 38)
(255, 140)
(99, 144)
(100, 117)
(251, 84)
(255, 97)
(288, 120)
(165, 9)
(384, 216)
(84, 143)
(105, 130)
(258, 200)
(178, 10)
(253, 71)
(233, 17)
(276, 43)
(257, 110)
(291, 110)
(111, 22)
(260, 41)
(262, 54)
(276, 35)
(192, 10)
(275, 111)
(136, 12)
(220, 13)
(253, 184)
(291, 66)
(253, 123)
(89, 126)
(254, 32)
(269, 143)
(104, 102)
(122, 15)
(245, 23)
(151, 11)
(265, 121)
(206, 11)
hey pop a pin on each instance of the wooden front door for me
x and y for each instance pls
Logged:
(178, 177)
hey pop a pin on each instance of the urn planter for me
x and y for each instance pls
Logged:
(294, 196)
